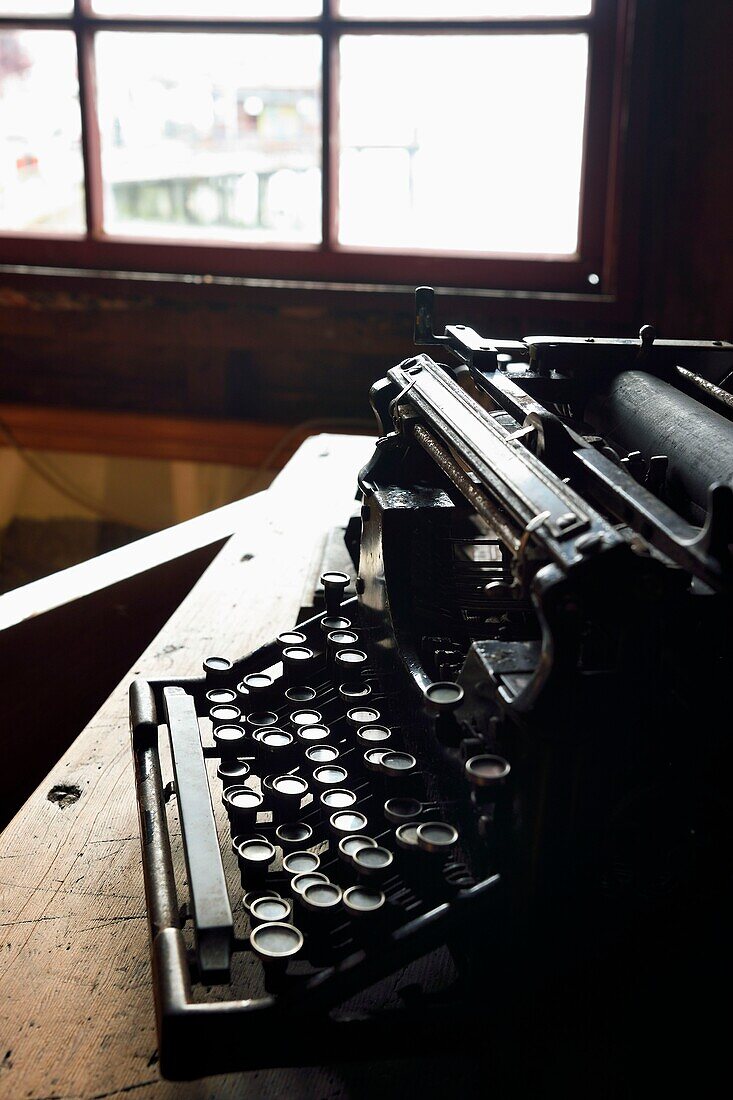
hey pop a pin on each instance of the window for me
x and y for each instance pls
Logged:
(389, 140)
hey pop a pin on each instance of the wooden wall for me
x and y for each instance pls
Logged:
(237, 350)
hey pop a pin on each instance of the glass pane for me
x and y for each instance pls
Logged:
(41, 168)
(464, 9)
(211, 136)
(463, 143)
(35, 7)
(213, 9)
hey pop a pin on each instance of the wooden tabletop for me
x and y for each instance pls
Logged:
(76, 1011)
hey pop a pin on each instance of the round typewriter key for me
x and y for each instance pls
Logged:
(340, 639)
(334, 622)
(397, 764)
(399, 810)
(444, 695)
(348, 845)
(259, 718)
(276, 743)
(485, 771)
(232, 772)
(362, 900)
(406, 836)
(373, 759)
(372, 861)
(371, 736)
(337, 799)
(254, 858)
(254, 895)
(334, 584)
(310, 735)
(224, 712)
(350, 691)
(258, 685)
(305, 717)
(297, 863)
(242, 838)
(361, 716)
(297, 662)
(293, 833)
(350, 662)
(344, 822)
(330, 775)
(288, 791)
(321, 754)
(436, 837)
(298, 883)
(264, 909)
(217, 668)
(300, 694)
(291, 637)
(221, 695)
(275, 940)
(230, 740)
(320, 897)
(241, 803)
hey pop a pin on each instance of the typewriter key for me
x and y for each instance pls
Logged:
(288, 791)
(372, 759)
(349, 662)
(259, 718)
(276, 744)
(349, 845)
(254, 858)
(436, 837)
(297, 663)
(221, 695)
(399, 810)
(242, 838)
(297, 863)
(259, 685)
(230, 740)
(275, 940)
(334, 622)
(217, 669)
(300, 694)
(356, 690)
(242, 804)
(396, 765)
(310, 735)
(264, 910)
(232, 772)
(254, 895)
(321, 897)
(337, 799)
(344, 822)
(293, 834)
(291, 637)
(359, 901)
(361, 716)
(224, 712)
(330, 775)
(406, 836)
(372, 862)
(371, 736)
(486, 771)
(443, 695)
(298, 883)
(334, 584)
(339, 639)
(305, 717)
(321, 754)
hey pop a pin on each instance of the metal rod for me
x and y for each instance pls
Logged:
(708, 388)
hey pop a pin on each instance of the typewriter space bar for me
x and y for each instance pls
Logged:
(207, 885)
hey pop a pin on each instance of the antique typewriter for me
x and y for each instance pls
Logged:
(505, 749)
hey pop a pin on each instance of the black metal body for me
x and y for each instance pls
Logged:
(542, 622)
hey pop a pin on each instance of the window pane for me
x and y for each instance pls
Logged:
(464, 9)
(463, 143)
(213, 9)
(41, 168)
(35, 7)
(211, 136)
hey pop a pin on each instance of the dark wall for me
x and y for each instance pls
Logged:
(245, 350)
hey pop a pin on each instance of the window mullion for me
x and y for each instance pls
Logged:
(89, 120)
(328, 136)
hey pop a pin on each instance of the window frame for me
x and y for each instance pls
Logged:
(591, 269)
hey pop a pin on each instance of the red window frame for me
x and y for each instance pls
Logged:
(591, 268)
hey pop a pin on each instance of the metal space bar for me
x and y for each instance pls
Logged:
(207, 885)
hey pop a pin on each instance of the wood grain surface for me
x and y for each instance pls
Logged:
(76, 1014)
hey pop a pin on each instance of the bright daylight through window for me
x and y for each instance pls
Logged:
(204, 122)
